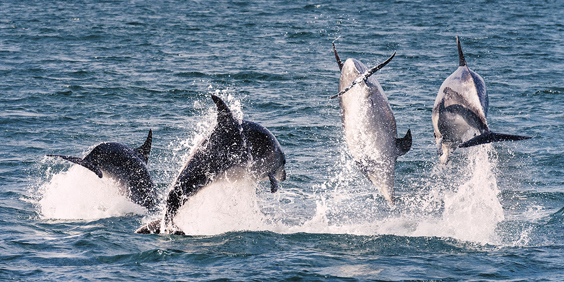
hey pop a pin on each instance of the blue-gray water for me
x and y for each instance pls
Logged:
(77, 73)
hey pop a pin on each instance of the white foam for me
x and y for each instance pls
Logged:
(461, 203)
(221, 207)
(80, 194)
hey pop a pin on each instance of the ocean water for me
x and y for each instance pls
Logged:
(77, 73)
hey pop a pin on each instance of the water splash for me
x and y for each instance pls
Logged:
(221, 207)
(471, 209)
(459, 201)
(80, 194)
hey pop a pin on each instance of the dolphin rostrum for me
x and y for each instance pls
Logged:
(126, 165)
(369, 124)
(460, 111)
(233, 149)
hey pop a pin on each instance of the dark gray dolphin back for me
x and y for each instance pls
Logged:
(222, 149)
(125, 165)
(231, 144)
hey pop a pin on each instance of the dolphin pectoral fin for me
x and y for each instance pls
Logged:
(337, 57)
(153, 227)
(489, 137)
(404, 144)
(81, 162)
(273, 183)
(461, 60)
(145, 149)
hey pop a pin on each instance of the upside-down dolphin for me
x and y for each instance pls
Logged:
(369, 124)
(234, 149)
(460, 111)
(126, 165)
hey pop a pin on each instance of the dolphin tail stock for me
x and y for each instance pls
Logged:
(337, 57)
(92, 167)
(145, 149)
(404, 144)
(273, 183)
(153, 227)
(489, 137)
(364, 76)
(461, 60)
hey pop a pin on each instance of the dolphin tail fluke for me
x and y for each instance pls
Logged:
(273, 183)
(489, 137)
(337, 57)
(404, 144)
(153, 227)
(461, 60)
(81, 162)
(145, 149)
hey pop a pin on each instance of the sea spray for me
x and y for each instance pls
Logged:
(80, 194)
(473, 210)
(221, 207)
(458, 201)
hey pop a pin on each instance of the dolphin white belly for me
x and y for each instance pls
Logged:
(369, 125)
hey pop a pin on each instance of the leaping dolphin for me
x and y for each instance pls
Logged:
(128, 166)
(233, 149)
(369, 124)
(460, 111)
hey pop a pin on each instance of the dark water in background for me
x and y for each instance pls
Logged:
(77, 73)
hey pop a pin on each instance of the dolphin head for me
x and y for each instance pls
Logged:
(352, 68)
(354, 72)
(267, 157)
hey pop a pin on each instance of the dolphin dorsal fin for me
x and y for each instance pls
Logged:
(224, 116)
(145, 149)
(461, 60)
(404, 144)
(337, 57)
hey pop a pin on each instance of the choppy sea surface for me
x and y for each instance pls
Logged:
(77, 73)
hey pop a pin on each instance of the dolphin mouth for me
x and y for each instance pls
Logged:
(282, 175)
